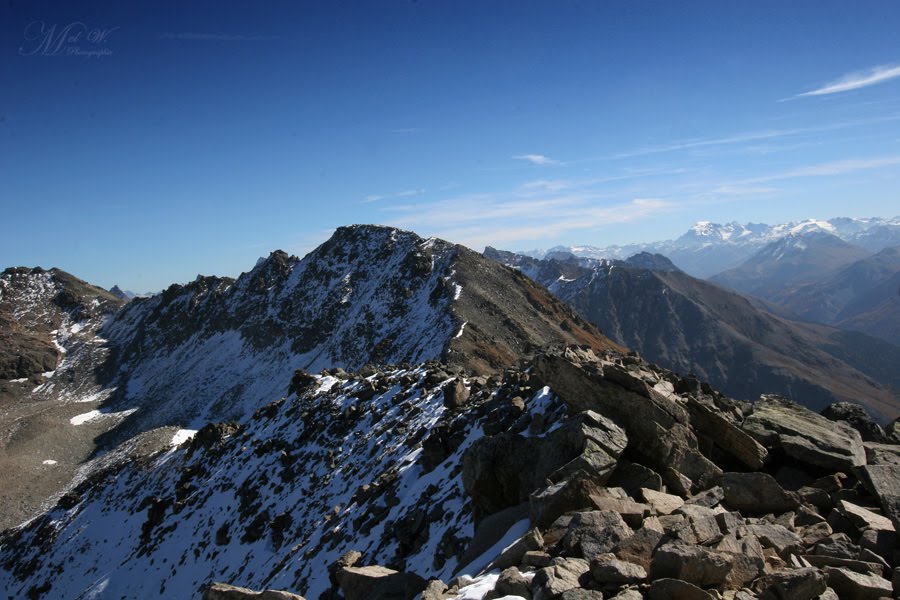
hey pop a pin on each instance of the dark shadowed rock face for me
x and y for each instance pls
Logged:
(857, 417)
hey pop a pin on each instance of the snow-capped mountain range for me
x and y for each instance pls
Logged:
(709, 248)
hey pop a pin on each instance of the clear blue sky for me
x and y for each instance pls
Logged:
(170, 139)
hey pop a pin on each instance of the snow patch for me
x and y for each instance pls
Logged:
(181, 436)
(85, 417)
(49, 462)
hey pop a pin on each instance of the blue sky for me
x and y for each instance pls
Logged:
(155, 141)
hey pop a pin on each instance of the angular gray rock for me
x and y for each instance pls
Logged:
(456, 394)
(757, 493)
(565, 574)
(676, 589)
(804, 435)
(379, 583)
(794, 584)
(512, 583)
(856, 586)
(606, 568)
(223, 591)
(595, 532)
(857, 417)
(693, 564)
(883, 481)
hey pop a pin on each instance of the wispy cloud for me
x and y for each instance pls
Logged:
(403, 194)
(537, 159)
(216, 37)
(750, 136)
(530, 211)
(828, 169)
(406, 130)
(855, 81)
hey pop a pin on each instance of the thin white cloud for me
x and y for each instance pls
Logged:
(855, 81)
(537, 159)
(750, 136)
(403, 194)
(828, 169)
(406, 130)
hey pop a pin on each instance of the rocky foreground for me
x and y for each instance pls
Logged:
(577, 476)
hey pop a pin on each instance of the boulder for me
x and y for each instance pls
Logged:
(223, 591)
(639, 547)
(675, 589)
(838, 545)
(594, 532)
(757, 493)
(693, 564)
(857, 417)
(882, 454)
(565, 574)
(606, 568)
(725, 435)
(456, 394)
(850, 585)
(434, 590)
(883, 481)
(550, 503)
(805, 436)
(633, 476)
(503, 470)
(863, 518)
(776, 537)
(660, 502)
(579, 594)
(379, 583)
(794, 584)
(512, 583)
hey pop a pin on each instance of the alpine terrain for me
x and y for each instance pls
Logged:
(647, 304)
(218, 348)
(393, 417)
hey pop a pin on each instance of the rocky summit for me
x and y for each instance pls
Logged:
(576, 474)
(89, 372)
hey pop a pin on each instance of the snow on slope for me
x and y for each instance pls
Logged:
(217, 348)
(368, 464)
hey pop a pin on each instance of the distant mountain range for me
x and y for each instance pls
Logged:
(692, 326)
(820, 278)
(709, 248)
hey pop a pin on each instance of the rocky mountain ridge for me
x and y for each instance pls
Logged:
(791, 262)
(217, 348)
(694, 326)
(861, 296)
(577, 476)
